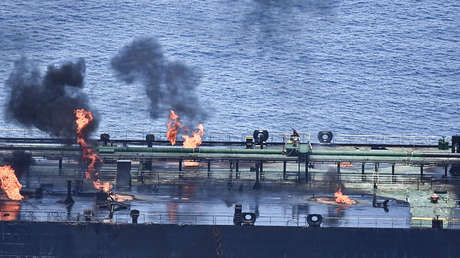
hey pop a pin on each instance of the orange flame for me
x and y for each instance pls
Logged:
(9, 183)
(346, 164)
(194, 140)
(9, 211)
(104, 186)
(172, 211)
(83, 120)
(189, 141)
(342, 198)
(189, 163)
(120, 197)
(173, 127)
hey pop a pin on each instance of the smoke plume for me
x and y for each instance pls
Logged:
(20, 161)
(47, 102)
(169, 85)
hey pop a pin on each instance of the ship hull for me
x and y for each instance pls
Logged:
(49, 239)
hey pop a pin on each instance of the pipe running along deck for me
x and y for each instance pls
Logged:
(300, 153)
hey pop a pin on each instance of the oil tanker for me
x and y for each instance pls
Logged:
(257, 197)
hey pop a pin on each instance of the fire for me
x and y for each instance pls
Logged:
(189, 141)
(9, 183)
(120, 197)
(104, 186)
(83, 120)
(194, 140)
(346, 164)
(172, 211)
(342, 198)
(173, 127)
(189, 163)
(9, 211)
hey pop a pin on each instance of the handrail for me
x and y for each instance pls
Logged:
(274, 136)
(224, 219)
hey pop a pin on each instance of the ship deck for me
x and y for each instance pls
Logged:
(280, 193)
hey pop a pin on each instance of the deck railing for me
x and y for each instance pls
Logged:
(240, 137)
(223, 219)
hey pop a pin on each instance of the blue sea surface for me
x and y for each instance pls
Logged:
(349, 66)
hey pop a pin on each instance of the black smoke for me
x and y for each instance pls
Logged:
(47, 102)
(20, 161)
(169, 85)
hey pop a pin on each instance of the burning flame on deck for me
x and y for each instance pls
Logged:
(83, 120)
(173, 127)
(9, 211)
(9, 183)
(342, 198)
(192, 141)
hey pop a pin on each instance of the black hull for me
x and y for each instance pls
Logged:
(20, 239)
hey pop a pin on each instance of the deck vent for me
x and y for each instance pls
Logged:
(105, 139)
(134, 215)
(260, 137)
(150, 138)
(456, 144)
(436, 223)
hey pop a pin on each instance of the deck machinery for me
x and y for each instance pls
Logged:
(292, 151)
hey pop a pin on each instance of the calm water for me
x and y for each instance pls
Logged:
(361, 67)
